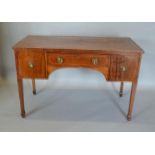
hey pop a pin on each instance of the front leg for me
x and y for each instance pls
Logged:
(21, 96)
(132, 98)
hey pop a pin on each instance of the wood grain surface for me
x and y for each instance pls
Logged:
(115, 44)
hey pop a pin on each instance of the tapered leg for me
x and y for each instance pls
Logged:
(121, 89)
(132, 97)
(21, 96)
(34, 86)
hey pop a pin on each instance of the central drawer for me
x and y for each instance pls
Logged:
(79, 60)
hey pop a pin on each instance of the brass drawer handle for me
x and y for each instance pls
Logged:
(31, 65)
(95, 61)
(60, 60)
(123, 68)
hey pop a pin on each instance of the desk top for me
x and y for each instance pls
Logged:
(117, 44)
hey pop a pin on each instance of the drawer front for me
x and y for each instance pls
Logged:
(31, 63)
(123, 68)
(83, 60)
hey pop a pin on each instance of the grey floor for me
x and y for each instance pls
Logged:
(57, 109)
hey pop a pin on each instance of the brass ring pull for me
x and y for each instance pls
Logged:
(60, 60)
(123, 68)
(95, 61)
(30, 65)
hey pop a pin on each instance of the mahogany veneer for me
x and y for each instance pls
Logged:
(117, 58)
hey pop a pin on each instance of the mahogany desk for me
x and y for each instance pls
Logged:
(118, 59)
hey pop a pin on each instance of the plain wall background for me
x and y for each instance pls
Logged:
(141, 33)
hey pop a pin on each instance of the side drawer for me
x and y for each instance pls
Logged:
(31, 63)
(123, 67)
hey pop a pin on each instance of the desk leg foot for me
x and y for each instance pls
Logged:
(34, 92)
(34, 86)
(121, 89)
(23, 115)
(129, 118)
(120, 95)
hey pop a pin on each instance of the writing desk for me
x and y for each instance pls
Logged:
(118, 59)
